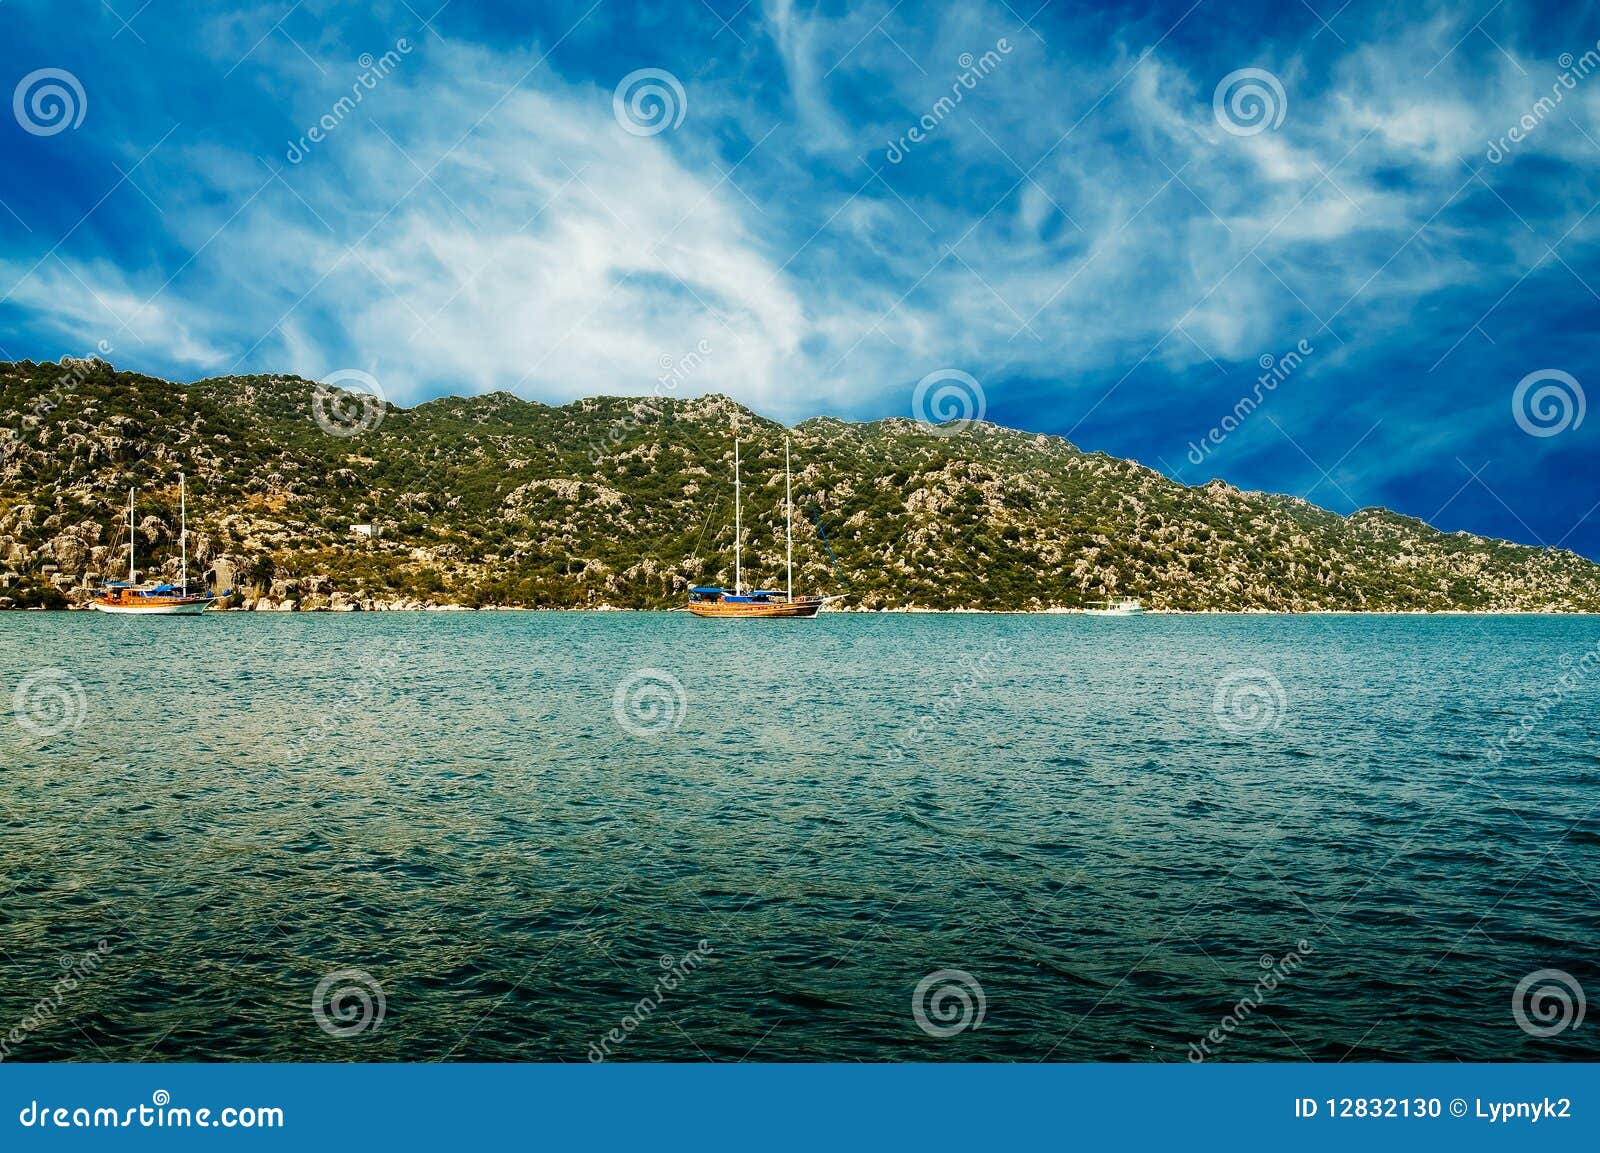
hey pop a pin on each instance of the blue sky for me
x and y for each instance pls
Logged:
(1096, 233)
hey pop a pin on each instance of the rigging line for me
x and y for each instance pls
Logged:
(705, 525)
(817, 517)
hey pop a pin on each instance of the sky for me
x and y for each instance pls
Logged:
(1343, 252)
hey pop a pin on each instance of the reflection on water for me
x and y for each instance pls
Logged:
(907, 837)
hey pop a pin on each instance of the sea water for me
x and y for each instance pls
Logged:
(619, 836)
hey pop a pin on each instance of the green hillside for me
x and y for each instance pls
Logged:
(626, 501)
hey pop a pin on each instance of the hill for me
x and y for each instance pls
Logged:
(625, 502)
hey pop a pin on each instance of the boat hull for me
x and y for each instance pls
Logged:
(752, 610)
(1116, 607)
(163, 607)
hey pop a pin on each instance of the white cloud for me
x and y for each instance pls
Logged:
(549, 252)
(797, 38)
(87, 303)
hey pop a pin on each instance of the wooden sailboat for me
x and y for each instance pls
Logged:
(153, 598)
(760, 603)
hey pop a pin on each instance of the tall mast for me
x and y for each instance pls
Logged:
(737, 589)
(788, 517)
(130, 535)
(183, 532)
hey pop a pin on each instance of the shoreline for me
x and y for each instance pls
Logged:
(1050, 612)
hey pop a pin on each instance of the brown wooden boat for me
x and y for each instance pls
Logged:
(149, 600)
(710, 602)
(153, 598)
(760, 603)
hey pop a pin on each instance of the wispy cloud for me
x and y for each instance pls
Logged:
(1080, 231)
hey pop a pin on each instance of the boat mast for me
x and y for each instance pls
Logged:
(737, 590)
(183, 532)
(788, 517)
(130, 535)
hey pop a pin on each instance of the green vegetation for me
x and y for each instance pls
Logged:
(626, 502)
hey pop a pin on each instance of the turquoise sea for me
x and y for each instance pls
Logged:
(556, 837)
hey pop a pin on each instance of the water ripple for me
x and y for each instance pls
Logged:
(1049, 805)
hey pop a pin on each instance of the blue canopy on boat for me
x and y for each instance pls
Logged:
(707, 592)
(163, 589)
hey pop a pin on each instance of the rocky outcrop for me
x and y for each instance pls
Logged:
(625, 502)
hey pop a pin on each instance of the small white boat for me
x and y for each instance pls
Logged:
(1116, 607)
(153, 598)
